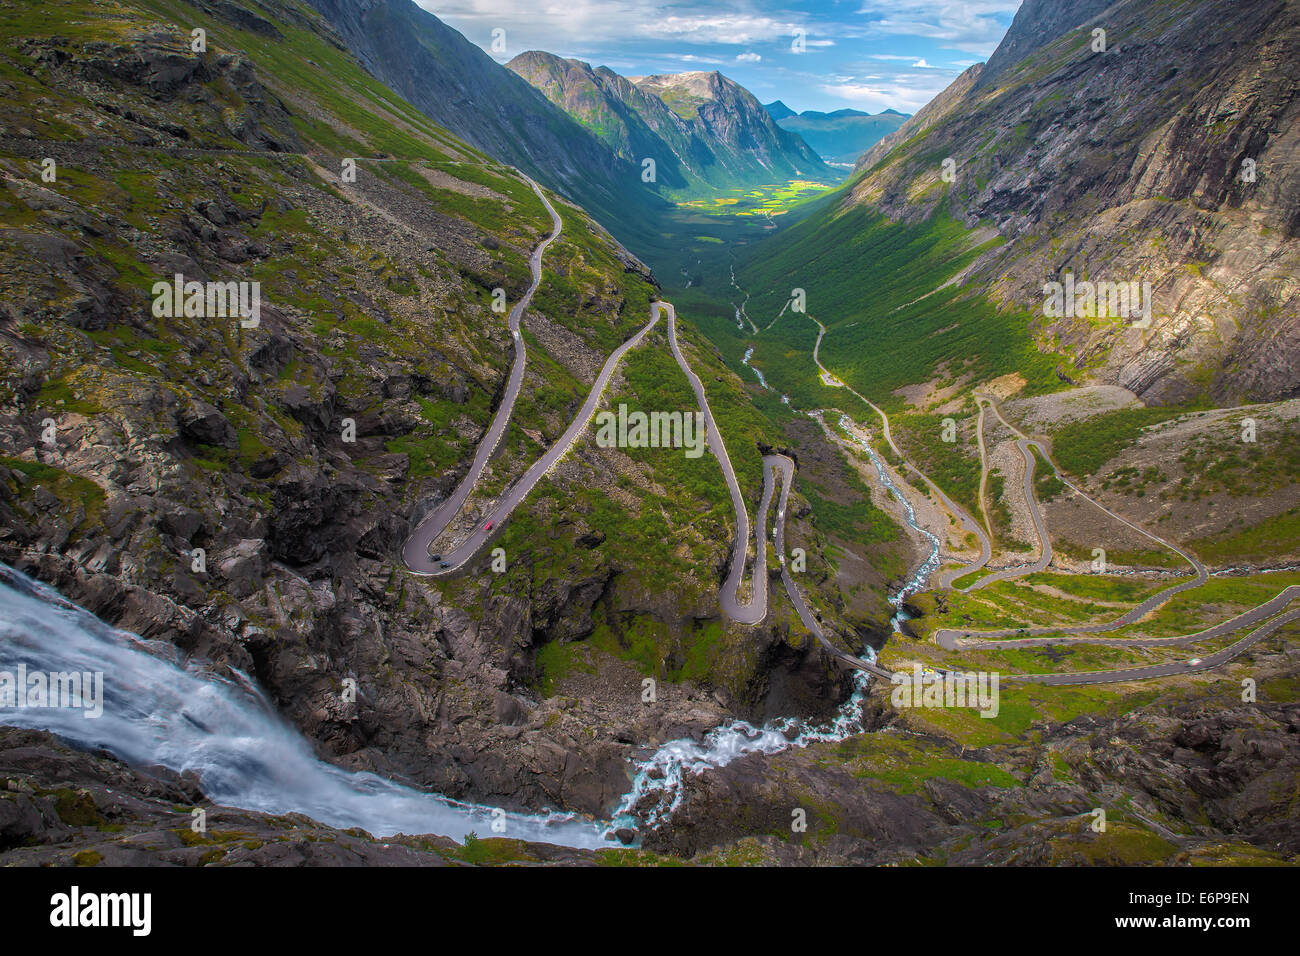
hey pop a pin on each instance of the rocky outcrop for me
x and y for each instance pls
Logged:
(1182, 782)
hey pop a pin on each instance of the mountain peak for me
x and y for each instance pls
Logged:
(541, 59)
(1036, 24)
(704, 128)
(697, 82)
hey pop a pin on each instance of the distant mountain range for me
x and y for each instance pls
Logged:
(840, 136)
(702, 129)
(584, 132)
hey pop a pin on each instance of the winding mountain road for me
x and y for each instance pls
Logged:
(756, 608)
(416, 550)
(1040, 528)
(954, 639)
(984, 469)
(1026, 445)
(951, 639)
(780, 468)
(1209, 662)
(780, 465)
(967, 521)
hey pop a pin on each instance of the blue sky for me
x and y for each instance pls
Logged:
(867, 54)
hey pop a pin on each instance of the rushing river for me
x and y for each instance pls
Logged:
(931, 563)
(157, 710)
(658, 786)
(749, 353)
(160, 710)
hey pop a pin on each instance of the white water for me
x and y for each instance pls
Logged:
(658, 787)
(931, 563)
(159, 711)
(749, 353)
(741, 315)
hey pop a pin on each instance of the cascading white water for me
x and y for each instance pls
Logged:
(160, 711)
(658, 786)
(749, 352)
(931, 563)
(741, 315)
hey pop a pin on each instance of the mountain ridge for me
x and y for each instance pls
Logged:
(703, 130)
(1142, 178)
(839, 136)
(449, 78)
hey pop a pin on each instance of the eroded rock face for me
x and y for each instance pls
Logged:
(1172, 158)
(204, 423)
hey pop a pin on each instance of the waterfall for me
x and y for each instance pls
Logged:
(160, 710)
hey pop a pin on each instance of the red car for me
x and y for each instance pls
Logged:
(488, 526)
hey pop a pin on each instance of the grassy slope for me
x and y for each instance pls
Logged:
(338, 111)
(876, 287)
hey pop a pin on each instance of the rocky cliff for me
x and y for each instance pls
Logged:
(744, 138)
(1168, 155)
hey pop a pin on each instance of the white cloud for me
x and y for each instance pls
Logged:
(689, 58)
(873, 99)
(718, 28)
(718, 33)
(906, 90)
(560, 24)
(972, 26)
